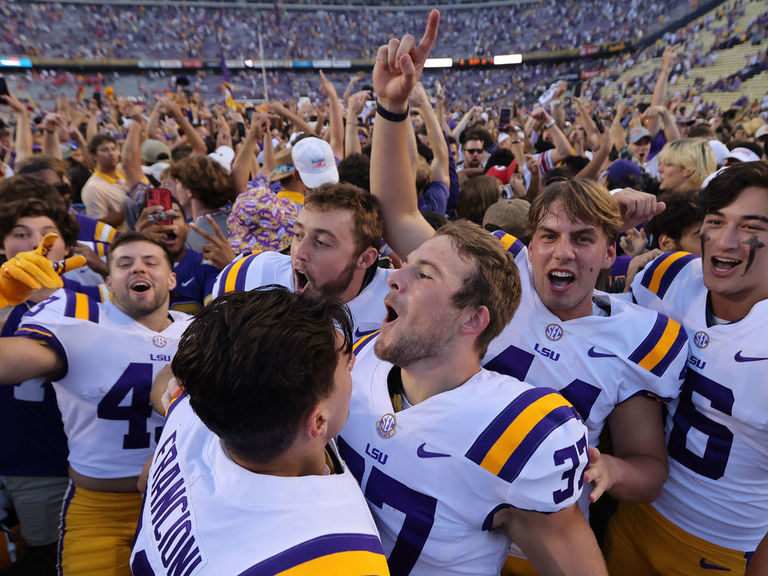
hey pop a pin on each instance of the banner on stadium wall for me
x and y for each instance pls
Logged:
(588, 49)
(169, 63)
(15, 63)
(616, 46)
(191, 63)
(587, 74)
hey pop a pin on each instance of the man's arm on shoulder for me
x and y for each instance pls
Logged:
(22, 359)
(560, 543)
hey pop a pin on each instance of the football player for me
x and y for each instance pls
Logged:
(101, 358)
(713, 509)
(334, 254)
(610, 359)
(263, 487)
(454, 460)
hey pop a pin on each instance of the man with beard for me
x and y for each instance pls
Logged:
(457, 461)
(334, 254)
(194, 276)
(101, 358)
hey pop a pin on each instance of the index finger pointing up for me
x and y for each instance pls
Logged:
(427, 40)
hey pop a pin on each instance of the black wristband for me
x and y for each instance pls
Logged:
(392, 116)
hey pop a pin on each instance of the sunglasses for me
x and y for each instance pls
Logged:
(473, 151)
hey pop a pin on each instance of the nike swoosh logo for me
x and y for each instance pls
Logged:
(592, 353)
(707, 566)
(188, 282)
(422, 452)
(739, 358)
(357, 335)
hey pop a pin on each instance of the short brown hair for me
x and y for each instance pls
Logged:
(130, 238)
(494, 282)
(582, 199)
(366, 212)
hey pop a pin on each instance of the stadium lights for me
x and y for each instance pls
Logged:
(507, 59)
(438, 63)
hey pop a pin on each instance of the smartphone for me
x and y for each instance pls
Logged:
(505, 115)
(97, 97)
(4, 87)
(160, 197)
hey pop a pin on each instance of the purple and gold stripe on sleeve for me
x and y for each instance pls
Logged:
(82, 307)
(661, 346)
(363, 341)
(511, 244)
(507, 444)
(659, 275)
(342, 554)
(236, 274)
(37, 332)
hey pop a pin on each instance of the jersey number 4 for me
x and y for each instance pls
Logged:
(135, 381)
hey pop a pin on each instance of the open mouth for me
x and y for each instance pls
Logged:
(724, 264)
(140, 286)
(301, 281)
(391, 314)
(559, 279)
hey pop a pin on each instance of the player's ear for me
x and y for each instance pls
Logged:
(475, 320)
(316, 423)
(367, 257)
(172, 281)
(666, 244)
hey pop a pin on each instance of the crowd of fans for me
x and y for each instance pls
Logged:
(104, 31)
(258, 182)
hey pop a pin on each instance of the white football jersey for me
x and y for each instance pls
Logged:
(436, 473)
(261, 268)
(205, 515)
(717, 430)
(110, 361)
(597, 361)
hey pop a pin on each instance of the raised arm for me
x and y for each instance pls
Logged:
(23, 129)
(546, 122)
(191, 135)
(355, 105)
(398, 67)
(335, 122)
(241, 166)
(434, 133)
(660, 89)
(131, 154)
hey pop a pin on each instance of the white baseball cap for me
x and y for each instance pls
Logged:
(314, 160)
